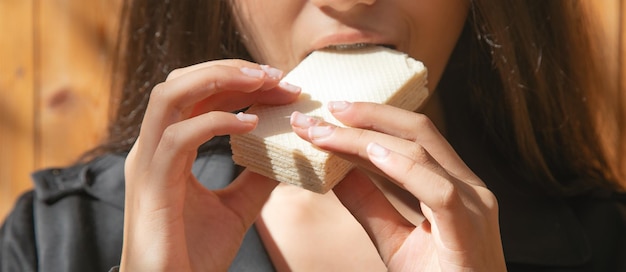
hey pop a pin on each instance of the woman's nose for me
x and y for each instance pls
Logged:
(341, 5)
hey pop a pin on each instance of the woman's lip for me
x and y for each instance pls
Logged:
(350, 38)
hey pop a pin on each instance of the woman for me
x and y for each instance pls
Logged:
(510, 118)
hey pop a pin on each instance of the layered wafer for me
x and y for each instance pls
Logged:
(370, 74)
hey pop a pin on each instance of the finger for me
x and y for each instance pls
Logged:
(180, 143)
(172, 101)
(348, 143)
(428, 182)
(284, 93)
(301, 123)
(247, 195)
(421, 175)
(273, 75)
(404, 124)
(448, 202)
(383, 223)
(270, 71)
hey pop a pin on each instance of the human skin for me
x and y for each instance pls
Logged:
(168, 213)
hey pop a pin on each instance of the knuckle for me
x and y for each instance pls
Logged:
(212, 118)
(490, 201)
(175, 73)
(159, 92)
(448, 196)
(213, 85)
(420, 122)
(419, 154)
(215, 82)
(170, 139)
(423, 122)
(361, 137)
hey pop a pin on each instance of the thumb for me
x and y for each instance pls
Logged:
(247, 195)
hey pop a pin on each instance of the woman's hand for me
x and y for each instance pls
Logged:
(172, 223)
(461, 231)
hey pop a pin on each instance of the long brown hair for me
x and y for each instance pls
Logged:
(548, 96)
(156, 37)
(533, 61)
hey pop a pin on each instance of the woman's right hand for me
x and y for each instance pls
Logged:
(461, 228)
(171, 221)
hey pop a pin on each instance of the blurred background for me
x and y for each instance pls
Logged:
(55, 60)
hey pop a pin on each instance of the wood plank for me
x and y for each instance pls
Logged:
(611, 45)
(621, 91)
(17, 100)
(54, 78)
(76, 43)
(606, 15)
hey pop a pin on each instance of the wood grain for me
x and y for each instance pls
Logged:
(17, 96)
(55, 58)
(611, 45)
(76, 39)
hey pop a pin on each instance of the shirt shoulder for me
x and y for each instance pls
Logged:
(17, 237)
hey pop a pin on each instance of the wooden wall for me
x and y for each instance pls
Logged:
(54, 73)
(54, 61)
(611, 34)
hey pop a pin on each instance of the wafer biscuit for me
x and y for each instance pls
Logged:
(371, 74)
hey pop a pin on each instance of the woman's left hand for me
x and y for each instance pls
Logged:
(461, 229)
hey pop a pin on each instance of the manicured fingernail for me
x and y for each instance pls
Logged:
(272, 72)
(252, 72)
(337, 106)
(288, 87)
(301, 120)
(377, 151)
(320, 132)
(247, 118)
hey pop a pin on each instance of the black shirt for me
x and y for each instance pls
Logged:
(73, 221)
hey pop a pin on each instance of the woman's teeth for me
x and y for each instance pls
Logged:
(348, 46)
(356, 46)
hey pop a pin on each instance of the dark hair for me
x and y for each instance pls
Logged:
(156, 37)
(536, 63)
(531, 58)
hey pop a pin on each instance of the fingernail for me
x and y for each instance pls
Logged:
(337, 106)
(272, 72)
(377, 151)
(288, 87)
(252, 72)
(301, 120)
(320, 132)
(247, 118)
